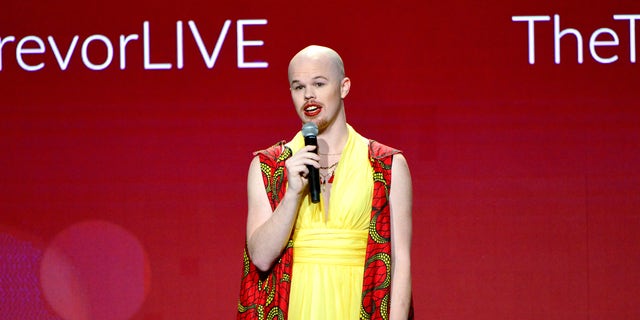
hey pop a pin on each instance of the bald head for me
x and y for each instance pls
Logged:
(317, 55)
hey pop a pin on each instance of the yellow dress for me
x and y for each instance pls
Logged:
(329, 251)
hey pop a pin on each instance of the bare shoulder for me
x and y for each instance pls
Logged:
(399, 159)
(401, 185)
(254, 177)
(255, 163)
(400, 168)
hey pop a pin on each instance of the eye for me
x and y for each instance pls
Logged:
(319, 84)
(298, 87)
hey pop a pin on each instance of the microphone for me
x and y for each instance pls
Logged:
(310, 133)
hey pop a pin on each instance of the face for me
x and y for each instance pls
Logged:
(318, 89)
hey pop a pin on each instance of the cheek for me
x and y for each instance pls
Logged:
(298, 100)
(294, 96)
(297, 97)
(336, 95)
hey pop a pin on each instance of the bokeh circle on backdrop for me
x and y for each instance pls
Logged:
(95, 270)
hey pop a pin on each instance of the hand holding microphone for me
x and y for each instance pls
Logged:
(310, 133)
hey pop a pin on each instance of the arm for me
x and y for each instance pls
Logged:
(400, 205)
(268, 232)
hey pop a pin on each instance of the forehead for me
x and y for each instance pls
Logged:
(305, 68)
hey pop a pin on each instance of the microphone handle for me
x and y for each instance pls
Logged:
(314, 173)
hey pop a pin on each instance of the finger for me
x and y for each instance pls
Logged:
(305, 159)
(298, 169)
(308, 154)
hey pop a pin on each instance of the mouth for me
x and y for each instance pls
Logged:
(312, 109)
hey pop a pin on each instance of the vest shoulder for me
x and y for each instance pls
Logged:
(273, 152)
(378, 150)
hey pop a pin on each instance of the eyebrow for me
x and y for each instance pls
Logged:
(314, 78)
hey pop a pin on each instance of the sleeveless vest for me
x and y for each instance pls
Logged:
(265, 295)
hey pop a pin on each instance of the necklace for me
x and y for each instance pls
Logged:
(330, 154)
(328, 176)
(330, 167)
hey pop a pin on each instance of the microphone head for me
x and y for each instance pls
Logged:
(309, 129)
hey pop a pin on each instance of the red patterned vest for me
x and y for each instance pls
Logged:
(265, 295)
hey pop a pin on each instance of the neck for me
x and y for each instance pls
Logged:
(333, 139)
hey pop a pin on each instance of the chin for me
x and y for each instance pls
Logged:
(322, 124)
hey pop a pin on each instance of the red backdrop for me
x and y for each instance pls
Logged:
(122, 189)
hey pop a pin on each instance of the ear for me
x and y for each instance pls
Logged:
(345, 86)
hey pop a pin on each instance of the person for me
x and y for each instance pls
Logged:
(347, 256)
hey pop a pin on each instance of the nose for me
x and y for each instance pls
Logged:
(309, 93)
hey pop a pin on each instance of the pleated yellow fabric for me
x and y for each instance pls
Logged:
(329, 251)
